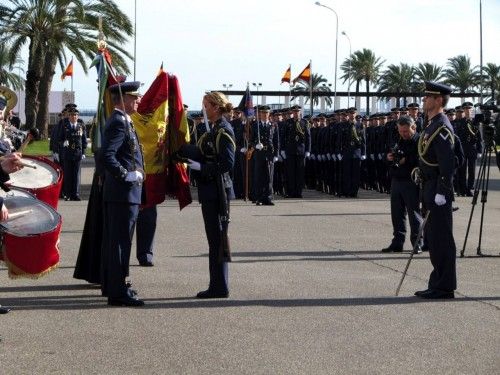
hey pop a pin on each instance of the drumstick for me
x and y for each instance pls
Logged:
(17, 214)
(25, 164)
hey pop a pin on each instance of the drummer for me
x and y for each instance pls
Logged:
(8, 164)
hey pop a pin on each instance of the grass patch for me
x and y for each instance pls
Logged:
(41, 148)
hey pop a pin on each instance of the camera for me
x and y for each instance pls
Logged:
(397, 155)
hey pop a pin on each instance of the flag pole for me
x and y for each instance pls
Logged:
(72, 74)
(247, 145)
(311, 87)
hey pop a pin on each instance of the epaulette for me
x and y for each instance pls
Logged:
(223, 133)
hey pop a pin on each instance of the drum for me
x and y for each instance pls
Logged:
(15, 192)
(44, 181)
(30, 237)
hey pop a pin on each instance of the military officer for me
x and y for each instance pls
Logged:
(264, 141)
(73, 139)
(296, 147)
(436, 162)
(413, 112)
(238, 126)
(470, 137)
(122, 159)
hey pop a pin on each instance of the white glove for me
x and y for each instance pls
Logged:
(259, 146)
(194, 165)
(439, 199)
(372, 157)
(66, 143)
(320, 157)
(339, 157)
(134, 176)
(308, 154)
(243, 149)
(329, 156)
(363, 157)
(280, 158)
(275, 159)
(83, 156)
(479, 155)
(283, 154)
(379, 156)
(313, 157)
(55, 155)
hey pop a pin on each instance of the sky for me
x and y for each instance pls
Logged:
(207, 44)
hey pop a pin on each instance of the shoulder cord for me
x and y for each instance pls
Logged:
(422, 150)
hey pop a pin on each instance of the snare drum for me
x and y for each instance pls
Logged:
(44, 182)
(30, 243)
(16, 192)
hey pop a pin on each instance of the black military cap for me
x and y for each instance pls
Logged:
(307, 117)
(70, 105)
(395, 109)
(236, 109)
(352, 110)
(295, 108)
(436, 88)
(73, 111)
(264, 108)
(403, 109)
(451, 111)
(413, 105)
(467, 105)
(127, 88)
(321, 115)
(365, 118)
(459, 108)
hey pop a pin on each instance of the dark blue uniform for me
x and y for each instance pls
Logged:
(263, 164)
(437, 160)
(296, 143)
(121, 153)
(75, 138)
(470, 138)
(240, 162)
(219, 160)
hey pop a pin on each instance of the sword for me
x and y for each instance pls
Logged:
(422, 222)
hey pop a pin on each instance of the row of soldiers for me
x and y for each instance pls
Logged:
(282, 152)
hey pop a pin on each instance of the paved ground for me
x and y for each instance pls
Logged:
(310, 294)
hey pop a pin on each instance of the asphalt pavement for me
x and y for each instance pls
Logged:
(311, 293)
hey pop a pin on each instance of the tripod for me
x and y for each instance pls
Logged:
(482, 182)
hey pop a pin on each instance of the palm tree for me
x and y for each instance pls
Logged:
(427, 72)
(398, 79)
(461, 75)
(491, 78)
(7, 76)
(351, 70)
(364, 66)
(319, 85)
(53, 26)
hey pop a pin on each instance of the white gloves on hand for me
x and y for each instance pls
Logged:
(275, 159)
(55, 155)
(243, 149)
(334, 157)
(329, 156)
(379, 156)
(283, 154)
(83, 156)
(339, 157)
(308, 154)
(194, 165)
(363, 157)
(259, 146)
(479, 155)
(313, 157)
(66, 143)
(372, 157)
(134, 176)
(280, 159)
(439, 199)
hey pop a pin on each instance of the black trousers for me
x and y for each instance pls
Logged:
(442, 248)
(71, 179)
(119, 224)
(213, 228)
(295, 165)
(350, 176)
(466, 175)
(404, 199)
(263, 172)
(145, 232)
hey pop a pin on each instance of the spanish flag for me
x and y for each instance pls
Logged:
(288, 75)
(305, 75)
(68, 72)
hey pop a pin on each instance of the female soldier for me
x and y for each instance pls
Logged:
(215, 189)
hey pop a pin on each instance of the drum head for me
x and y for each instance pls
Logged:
(15, 192)
(39, 218)
(32, 178)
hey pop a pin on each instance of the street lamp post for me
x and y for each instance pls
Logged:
(257, 86)
(336, 47)
(227, 86)
(349, 71)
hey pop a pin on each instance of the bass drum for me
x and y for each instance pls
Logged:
(30, 242)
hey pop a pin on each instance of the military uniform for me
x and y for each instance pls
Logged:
(296, 147)
(73, 138)
(239, 163)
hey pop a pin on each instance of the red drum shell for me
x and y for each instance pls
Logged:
(48, 194)
(31, 255)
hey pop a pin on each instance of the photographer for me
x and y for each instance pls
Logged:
(403, 159)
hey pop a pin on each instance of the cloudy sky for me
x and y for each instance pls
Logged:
(211, 43)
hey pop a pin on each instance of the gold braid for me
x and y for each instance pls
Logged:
(422, 149)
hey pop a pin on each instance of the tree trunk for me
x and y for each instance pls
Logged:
(42, 118)
(35, 65)
(367, 97)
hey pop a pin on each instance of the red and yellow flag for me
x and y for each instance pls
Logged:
(305, 75)
(68, 72)
(288, 75)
